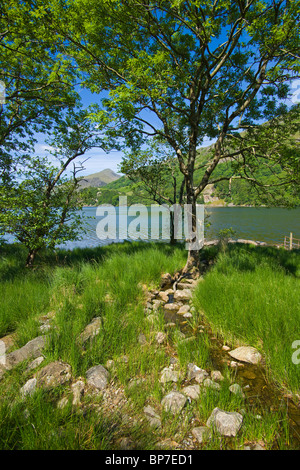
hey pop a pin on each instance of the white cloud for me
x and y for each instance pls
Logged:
(296, 91)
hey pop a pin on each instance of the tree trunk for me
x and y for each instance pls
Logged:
(172, 229)
(193, 259)
(30, 258)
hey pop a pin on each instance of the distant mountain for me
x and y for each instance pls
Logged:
(97, 180)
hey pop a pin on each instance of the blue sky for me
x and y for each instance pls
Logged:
(98, 160)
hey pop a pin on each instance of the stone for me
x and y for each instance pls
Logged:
(53, 375)
(142, 339)
(35, 363)
(126, 444)
(216, 375)
(156, 304)
(169, 375)
(184, 294)
(32, 349)
(188, 315)
(237, 390)
(98, 377)
(183, 310)
(192, 391)
(78, 392)
(172, 307)
(194, 372)
(8, 342)
(110, 363)
(29, 388)
(163, 296)
(170, 325)
(246, 354)
(161, 337)
(45, 326)
(233, 364)
(166, 279)
(174, 402)
(211, 384)
(91, 330)
(224, 422)
(202, 434)
(152, 417)
(135, 383)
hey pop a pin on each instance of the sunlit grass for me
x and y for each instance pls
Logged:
(252, 296)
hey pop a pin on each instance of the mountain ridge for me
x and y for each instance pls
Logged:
(99, 179)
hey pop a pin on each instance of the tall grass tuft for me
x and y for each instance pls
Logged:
(252, 296)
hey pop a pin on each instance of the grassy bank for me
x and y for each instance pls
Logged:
(72, 288)
(252, 296)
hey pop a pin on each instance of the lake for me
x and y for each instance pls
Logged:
(262, 224)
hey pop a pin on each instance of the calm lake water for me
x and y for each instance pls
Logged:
(262, 224)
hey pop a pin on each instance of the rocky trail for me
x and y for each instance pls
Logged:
(99, 390)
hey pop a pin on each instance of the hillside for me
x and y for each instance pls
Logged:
(227, 192)
(97, 180)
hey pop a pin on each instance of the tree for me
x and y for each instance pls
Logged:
(183, 71)
(38, 79)
(153, 169)
(40, 208)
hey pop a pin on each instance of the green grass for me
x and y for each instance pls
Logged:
(252, 296)
(239, 296)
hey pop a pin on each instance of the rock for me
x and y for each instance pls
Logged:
(98, 377)
(169, 375)
(7, 342)
(226, 423)
(135, 383)
(184, 294)
(257, 446)
(192, 391)
(163, 296)
(45, 326)
(54, 374)
(172, 307)
(91, 330)
(237, 390)
(152, 417)
(110, 363)
(246, 354)
(161, 337)
(183, 310)
(188, 315)
(194, 372)
(211, 384)
(174, 402)
(31, 350)
(166, 279)
(142, 339)
(170, 325)
(29, 388)
(202, 433)
(35, 363)
(78, 392)
(156, 304)
(216, 375)
(233, 364)
(126, 444)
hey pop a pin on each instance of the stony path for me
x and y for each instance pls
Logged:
(174, 299)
